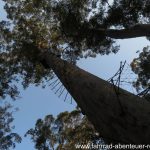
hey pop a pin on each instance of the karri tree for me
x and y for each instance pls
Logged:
(44, 37)
(66, 131)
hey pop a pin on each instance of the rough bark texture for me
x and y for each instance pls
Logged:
(133, 32)
(123, 118)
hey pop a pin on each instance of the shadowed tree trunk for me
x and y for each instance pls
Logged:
(121, 117)
(138, 30)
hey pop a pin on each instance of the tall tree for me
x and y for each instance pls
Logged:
(42, 30)
(66, 131)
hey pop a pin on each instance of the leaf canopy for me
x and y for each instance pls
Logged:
(66, 28)
(63, 132)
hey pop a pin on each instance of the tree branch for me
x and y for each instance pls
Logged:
(139, 30)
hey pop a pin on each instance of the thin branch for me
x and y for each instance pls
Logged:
(144, 92)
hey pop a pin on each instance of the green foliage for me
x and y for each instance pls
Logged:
(67, 28)
(8, 139)
(128, 12)
(63, 132)
(18, 61)
(141, 67)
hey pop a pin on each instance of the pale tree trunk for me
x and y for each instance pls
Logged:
(121, 117)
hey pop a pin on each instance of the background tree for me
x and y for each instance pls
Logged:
(8, 139)
(63, 132)
(141, 67)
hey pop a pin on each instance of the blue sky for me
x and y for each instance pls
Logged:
(36, 102)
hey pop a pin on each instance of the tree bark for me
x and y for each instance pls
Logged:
(139, 30)
(121, 117)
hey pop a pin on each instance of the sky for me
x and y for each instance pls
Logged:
(36, 102)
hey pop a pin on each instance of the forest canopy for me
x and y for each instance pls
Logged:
(71, 29)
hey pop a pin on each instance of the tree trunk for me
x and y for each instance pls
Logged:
(121, 117)
(133, 32)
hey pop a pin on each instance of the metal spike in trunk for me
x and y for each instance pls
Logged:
(122, 117)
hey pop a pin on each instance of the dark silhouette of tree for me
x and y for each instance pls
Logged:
(8, 139)
(43, 37)
(63, 132)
